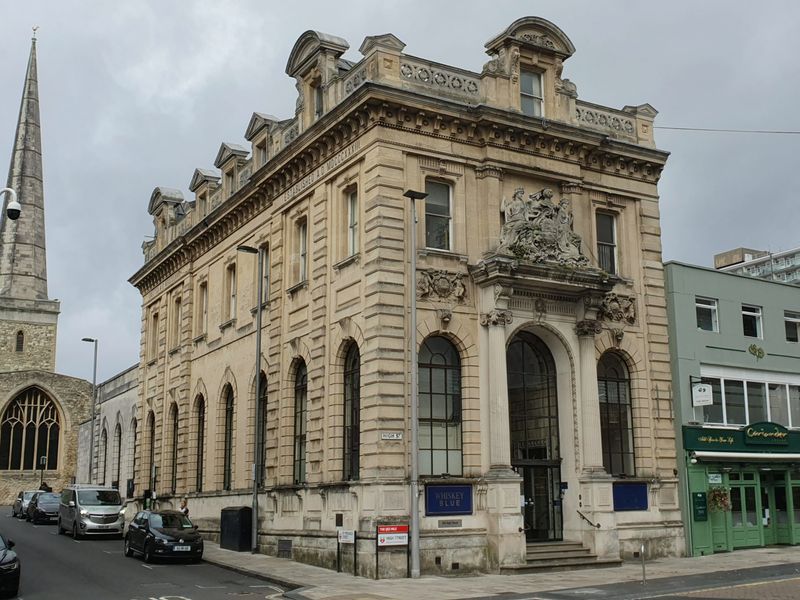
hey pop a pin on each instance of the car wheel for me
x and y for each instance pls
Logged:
(148, 553)
(127, 546)
(75, 535)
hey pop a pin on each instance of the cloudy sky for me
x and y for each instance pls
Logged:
(136, 94)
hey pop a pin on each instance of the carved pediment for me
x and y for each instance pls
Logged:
(257, 122)
(539, 230)
(387, 40)
(535, 32)
(202, 176)
(308, 45)
(227, 150)
(163, 195)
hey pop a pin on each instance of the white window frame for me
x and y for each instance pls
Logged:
(536, 99)
(752, 310)
(177, 311)
(230, 277)
(449, 186)
(202, 309)
(265, 290)
(352, 222)
(792, 317)
(614, 244)
(713, 308)
(302, 249)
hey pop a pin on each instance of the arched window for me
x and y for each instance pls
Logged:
(616, 425)
(151, 450)
(29, 430)
(439, 408)
(300, 403)
(227, 460)
(262, 429)
(352, 413)
(174, 449)
(200, 426)
(102, 459)
(117, 454)
(20, 341)
(133, 440)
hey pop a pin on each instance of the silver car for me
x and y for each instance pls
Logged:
(91, 510)
(20, 507)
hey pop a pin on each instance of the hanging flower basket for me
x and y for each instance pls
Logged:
(719, 499)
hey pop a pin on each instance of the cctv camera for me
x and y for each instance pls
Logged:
(13, 210)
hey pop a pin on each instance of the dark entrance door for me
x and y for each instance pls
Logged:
(533, 407)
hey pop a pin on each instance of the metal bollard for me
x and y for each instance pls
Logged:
(644, 575)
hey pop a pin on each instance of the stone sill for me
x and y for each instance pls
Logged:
(353, 258)
(199, 338)
(426, 252)
(264, 305)
(226, 324)
(297, 287)
(174, 350)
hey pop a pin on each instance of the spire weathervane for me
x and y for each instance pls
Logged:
(34, 28)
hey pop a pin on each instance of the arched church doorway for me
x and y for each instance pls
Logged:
(535, 455)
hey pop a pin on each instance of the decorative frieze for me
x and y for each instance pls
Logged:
(615, 307)
(588, 327)
(489, 171)
(496, 317)
(433, 284)
(438, 78)
(605, 120)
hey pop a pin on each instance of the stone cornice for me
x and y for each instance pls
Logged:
(379, 105)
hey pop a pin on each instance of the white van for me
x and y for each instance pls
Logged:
(91, 510)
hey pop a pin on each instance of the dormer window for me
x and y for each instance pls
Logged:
(530, 89)
(318, 99)
(229, 182)
(261, 153)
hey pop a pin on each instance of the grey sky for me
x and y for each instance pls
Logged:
(136, 94)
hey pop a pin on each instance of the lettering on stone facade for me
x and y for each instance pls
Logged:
(496, 317)
(539, 230)
(433, 284)
(615, 307)
(322, 170)
(588, 327)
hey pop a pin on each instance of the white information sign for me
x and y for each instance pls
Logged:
(715, 478)
(391, 435)
(702, 395)
(392, 535)
(347, 536)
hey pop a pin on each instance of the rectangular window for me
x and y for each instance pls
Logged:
(261, 153)
(265, 284)
(751, 321)
(706, 310)
(530, 89)
(202, 201)
(230, 276)
(792, 322)
(735, 410)
(176, 322)
(713, 413)
(302, 250)
(352, 222)
(229, 182)
(202, 308)
(778, 404)
(606, 242)
(153, 341)
(438, 215)
(319, 108)
(738, 402)
(756, 402)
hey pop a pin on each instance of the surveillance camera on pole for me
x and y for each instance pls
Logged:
(14, 208)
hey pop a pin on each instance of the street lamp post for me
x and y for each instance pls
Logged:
(414, 506)
(42, 463)
(13, 209)
(257, 448)
(94, 402)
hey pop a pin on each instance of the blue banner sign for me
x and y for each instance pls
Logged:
(448, 500)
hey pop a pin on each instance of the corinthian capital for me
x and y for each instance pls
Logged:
(496, 317)
(588, 327)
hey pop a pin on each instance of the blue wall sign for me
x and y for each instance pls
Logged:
(630, 495)
(448, 500)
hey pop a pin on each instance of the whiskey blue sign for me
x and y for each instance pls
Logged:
(448, 500)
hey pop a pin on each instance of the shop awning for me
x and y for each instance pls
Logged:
(709, 456)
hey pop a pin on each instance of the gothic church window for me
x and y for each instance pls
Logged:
(29, 430)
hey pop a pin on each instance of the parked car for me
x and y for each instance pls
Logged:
(163, 534)
(20, 507)
(90, 510)
(9, 568)
(43, 507)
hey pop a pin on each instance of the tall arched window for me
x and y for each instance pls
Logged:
(300, 404)
(227, 460)
(262, 429)
(102, 460)
(174, 449)
(29, 429)
(616, 425)
(20, 341)
(439, 408)
(352, 413)
(116, 465)
(151, 450)
(200, 427)
(133, 440)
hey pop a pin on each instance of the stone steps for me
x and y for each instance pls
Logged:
(559, 556)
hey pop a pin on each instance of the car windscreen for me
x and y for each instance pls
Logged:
(170, 522)
(99, 498)
(48, 498)
(27, 495)
(3, 545)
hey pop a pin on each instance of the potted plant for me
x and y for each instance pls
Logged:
(719, 499)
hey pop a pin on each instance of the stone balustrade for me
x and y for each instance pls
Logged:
(616, 123)
(440, 79)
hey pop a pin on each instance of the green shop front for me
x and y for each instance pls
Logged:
(743, 486)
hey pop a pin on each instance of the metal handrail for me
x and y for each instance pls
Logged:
(585, 518)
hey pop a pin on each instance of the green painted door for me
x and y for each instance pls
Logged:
(779, 511)
(745, 515)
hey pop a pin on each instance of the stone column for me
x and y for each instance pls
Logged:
(591, 440)
(499, 426)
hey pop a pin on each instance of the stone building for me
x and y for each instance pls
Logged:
(40, 410)
(544, 378)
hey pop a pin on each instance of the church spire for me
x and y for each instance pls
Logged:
(23, 265)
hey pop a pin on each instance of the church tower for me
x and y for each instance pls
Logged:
(28, 318)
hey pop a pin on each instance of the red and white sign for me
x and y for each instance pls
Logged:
(392, 535)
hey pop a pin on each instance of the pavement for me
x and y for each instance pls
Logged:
(715, 576)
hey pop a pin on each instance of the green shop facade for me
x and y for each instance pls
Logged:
(736, 386)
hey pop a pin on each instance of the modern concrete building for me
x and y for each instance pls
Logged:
(736, 381)
(782, 266)
(39, 409)
(541, 338)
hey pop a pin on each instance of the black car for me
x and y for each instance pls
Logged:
(9, 568)
(43, 507)
(163, 534)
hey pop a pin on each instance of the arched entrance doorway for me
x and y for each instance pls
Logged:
(535, 455)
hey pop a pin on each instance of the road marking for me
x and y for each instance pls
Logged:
(210, 587)
(147, 567)
(112, 551)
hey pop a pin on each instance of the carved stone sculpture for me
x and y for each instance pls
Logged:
(618, 308)
(538, 230)
(587, 327)
(496, 317)
(441, 285)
